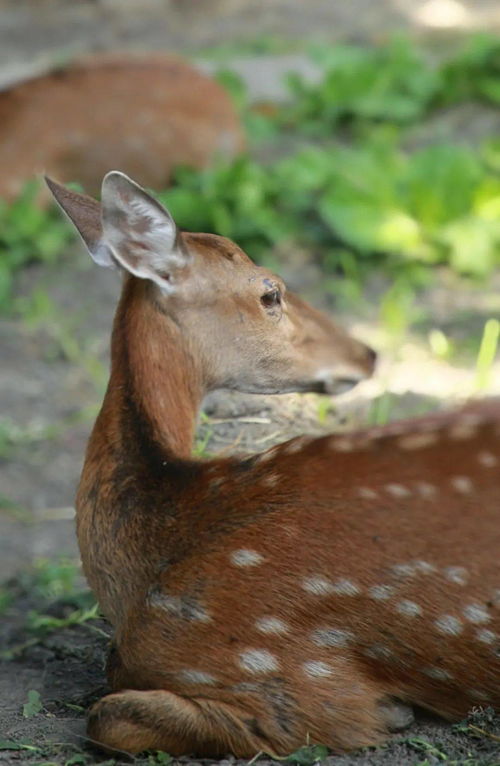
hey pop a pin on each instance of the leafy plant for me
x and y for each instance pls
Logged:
(33, 706)
(9, 744)
(391, 208)
(370, 202)
(54, 578)
(308, 755)
(259, 125)
(474, 72)
(28, 233)
(487, 353)
(392, 83)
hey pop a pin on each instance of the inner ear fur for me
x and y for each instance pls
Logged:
(140, 233)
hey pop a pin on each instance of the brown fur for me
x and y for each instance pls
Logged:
(146, 114)
(188, 557)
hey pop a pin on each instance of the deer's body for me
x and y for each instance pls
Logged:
(316, 590)
(179, 117)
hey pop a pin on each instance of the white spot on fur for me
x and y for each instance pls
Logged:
(271, 480)
(378, 652)
(487, 459)
(449, 625)
(466, 427)
(457, 575)
(367, 494)
(397, 490)
(476, 614)
(217, 482)
(341, 445)
(462, 484)
(438, 673)
(267, 455)
(197, 677)
(404, 570)
(258, 661)
(425, 490)
(462, 432)
(244, 557)
(271, 625)
(408, 608)
(345, 588)
(479, 695)
(486, 636)
(331, 637)
(318, 586)
(296, 445)
(417, 441)
(184, 607)
(381, 592)
(424, 567)
(317, 669)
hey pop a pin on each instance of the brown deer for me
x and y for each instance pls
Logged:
(77, 120)
(318, 590)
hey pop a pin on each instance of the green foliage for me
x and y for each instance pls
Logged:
(308, 755)
(42, 624)
(33, 706)
(356, 204)
(438, 205)
(13, 436)
(474, 73)
(28, 234)
(487, 353)
(5, 599)
(391, 83)
(394, 83)
(159, 758)
(258, 127)
(231, 199)
(54, 578)
(9, 744)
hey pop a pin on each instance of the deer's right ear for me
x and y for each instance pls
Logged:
(85, 215)
(140, 233)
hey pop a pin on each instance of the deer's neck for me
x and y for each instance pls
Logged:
(155, 387)
(136, 462)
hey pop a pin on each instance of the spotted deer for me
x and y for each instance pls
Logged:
(318, 590)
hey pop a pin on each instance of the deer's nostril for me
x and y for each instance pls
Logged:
(371, 355)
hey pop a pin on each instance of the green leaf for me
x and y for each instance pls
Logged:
(473, 245)
(308, 755)
(79, 759)
(33, 706)
(8, 744)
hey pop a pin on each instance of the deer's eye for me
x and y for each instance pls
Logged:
(271, 299)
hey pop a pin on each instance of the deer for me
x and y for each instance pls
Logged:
(318, 591)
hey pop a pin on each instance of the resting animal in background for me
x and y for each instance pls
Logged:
(317, 590)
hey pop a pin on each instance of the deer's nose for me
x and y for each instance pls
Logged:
(371, 357)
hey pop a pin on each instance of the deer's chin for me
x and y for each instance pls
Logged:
(337, 386)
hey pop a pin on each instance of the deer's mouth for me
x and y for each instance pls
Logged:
(336, 381)
(337, 386)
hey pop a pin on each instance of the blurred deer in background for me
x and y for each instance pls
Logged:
(317, 590)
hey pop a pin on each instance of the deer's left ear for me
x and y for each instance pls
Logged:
(139, 232)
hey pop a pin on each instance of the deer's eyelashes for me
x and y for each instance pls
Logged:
(272, 299)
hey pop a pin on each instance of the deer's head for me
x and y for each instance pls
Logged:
(236, 319)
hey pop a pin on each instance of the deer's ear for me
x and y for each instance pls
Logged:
(139, 232)
(85, 215)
